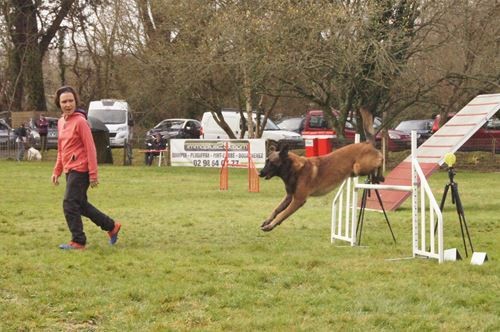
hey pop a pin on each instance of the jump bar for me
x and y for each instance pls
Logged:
(383, 187)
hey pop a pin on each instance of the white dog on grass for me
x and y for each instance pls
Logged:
(34, 154)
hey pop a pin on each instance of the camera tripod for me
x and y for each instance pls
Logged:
(361, 216)
(455, 199)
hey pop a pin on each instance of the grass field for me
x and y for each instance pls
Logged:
(190, 257)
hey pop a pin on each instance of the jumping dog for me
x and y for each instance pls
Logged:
(316, 176)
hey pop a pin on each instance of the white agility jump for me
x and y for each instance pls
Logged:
(426, 243)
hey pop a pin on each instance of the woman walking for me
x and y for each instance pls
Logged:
(76, 157)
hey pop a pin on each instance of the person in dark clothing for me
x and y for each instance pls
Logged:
(21, 138)
(77, 158)
(154, 146)
(43, 128)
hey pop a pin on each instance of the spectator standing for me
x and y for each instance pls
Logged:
(43, 128)
(154, 147)
(21, 138)
(77, 158)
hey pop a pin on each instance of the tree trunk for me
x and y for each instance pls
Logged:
(28, 51)
(15, 89)
(247, 91)
(34, 80)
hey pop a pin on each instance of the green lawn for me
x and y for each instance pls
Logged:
(190, 257)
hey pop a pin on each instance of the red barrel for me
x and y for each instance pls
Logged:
(311, 146)
(324, 146)
(318, 143)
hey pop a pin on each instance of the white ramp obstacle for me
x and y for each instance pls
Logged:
(425, 211)
(449, 138)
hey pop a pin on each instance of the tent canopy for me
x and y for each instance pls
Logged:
(96, 125)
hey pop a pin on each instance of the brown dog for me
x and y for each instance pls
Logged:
(315, 176)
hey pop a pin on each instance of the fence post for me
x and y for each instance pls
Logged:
(127, 153)
(224, 171)
(494, 148)
(168, 152)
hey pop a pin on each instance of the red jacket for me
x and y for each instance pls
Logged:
(76, 150)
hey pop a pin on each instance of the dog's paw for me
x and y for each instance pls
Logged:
(267, 228)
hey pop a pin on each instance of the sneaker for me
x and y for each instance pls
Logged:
(113, 235)
(72, 246)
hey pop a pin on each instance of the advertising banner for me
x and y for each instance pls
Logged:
(212, 153)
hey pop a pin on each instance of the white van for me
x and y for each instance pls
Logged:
(117, 117)
(272, 133)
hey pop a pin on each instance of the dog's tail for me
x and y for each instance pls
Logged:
(367, 118)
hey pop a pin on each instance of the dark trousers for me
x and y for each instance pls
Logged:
(150, 156)
(43, 142)
(75, 205)
(20, 151)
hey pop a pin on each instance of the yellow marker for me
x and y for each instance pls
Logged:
(450, 159)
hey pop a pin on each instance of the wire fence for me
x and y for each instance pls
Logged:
(8, 149)
(481, 153)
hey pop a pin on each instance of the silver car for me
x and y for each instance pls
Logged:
(176, 128)
(7, 135)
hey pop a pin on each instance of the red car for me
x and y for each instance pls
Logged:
(397, 140)
(487, 138)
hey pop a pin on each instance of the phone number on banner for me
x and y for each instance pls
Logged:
(218, 163)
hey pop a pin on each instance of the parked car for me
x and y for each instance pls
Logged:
(176, 128)
(7, 135)
(485, 138)
(397, 140)
(34, 136)
(274, 135)
(117, 116)
(422, 127)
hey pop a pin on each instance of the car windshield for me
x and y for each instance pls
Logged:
(317, 121)
(109, 116)
(493, 123)
(290, 124)
(413, 125)
(270, 125)
(351, 123)
(170, 125)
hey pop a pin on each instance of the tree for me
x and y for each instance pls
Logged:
(176, 58)
(338, 55)
(464, 60)
(30, 42)
(351, 54)
(216, 54)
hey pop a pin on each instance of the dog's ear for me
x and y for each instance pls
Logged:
(284, 152)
